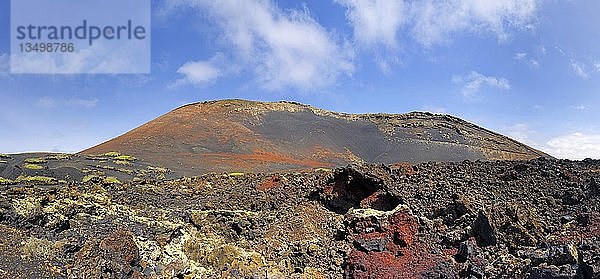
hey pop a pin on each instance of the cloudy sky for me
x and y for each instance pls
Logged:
(525, 68)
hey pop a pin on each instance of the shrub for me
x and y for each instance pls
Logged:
(36, 160)
(33, 167)
(91, 177)
(112, 154)
(111, 180)
(58, 157)
(38, 180)
(121, 162)
(124, 158)
(4, 181)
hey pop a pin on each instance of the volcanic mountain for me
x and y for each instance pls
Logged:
(249, 136)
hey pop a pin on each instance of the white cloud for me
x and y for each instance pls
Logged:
(84, 103)
(579, 69)
(376, 21)
(522, 133)
(472, 83)
(576, 146)
(201, 72)
(283, 49)
(597, 66)
(534, 63)
(520, 55)
(580, 107)
(4, 64)
(436, 20)
(46, 103)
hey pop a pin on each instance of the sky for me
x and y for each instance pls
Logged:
(524, 68)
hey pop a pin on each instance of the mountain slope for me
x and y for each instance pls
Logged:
(247, 136)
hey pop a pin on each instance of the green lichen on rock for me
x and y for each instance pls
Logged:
(36, 248)
(32, 167)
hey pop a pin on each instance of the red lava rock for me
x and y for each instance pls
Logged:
(390, 251)
(270, 183)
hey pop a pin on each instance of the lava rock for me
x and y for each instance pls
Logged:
(485, 233)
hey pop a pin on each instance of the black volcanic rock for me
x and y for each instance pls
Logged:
(401, 221)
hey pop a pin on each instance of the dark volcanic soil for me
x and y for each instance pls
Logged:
(527, 219)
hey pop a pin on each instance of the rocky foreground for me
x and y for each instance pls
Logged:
(529, 219)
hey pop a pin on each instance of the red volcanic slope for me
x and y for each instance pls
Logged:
(246, 136)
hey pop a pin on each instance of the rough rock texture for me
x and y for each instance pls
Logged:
(526, 219)
(246, 136)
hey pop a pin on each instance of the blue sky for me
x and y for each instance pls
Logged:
(528, 69)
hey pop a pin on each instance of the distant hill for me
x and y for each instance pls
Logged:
(248, 136)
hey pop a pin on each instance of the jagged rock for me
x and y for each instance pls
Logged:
(561, 255)
(436, 222)
(115, 256)
(485, 233)
(465, 251)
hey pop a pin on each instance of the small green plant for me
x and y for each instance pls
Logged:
(38, 180)
(33, 167)
(323, 170)
(112, 154)
(5, 156)
(3, 162)
(36, 160)
(4, 181)
(58, 157)
(236, 174)
(111, 180)
(91, 177)
(123, 163)
(158, 169)
(124, 158)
